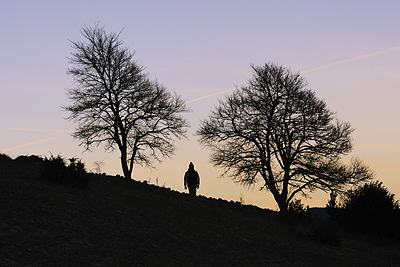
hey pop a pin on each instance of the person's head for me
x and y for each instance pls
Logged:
(191, 166)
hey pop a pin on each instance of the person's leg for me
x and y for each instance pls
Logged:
(192, 191)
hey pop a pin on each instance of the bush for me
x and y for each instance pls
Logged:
(55, 169)
(5, 162)
(29, 160)
(370, 208)
(5, 159)
(332, 207)
(296, 207)
(297, 211)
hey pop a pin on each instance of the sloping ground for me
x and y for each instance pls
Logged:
(114, 222)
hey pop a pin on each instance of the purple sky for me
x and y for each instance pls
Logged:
(349, 52)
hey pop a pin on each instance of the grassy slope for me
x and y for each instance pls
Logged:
(114, 222)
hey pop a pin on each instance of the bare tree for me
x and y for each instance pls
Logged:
(117, 105)
(98, 166)
(277, 130)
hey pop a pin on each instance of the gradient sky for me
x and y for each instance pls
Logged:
(348, 51)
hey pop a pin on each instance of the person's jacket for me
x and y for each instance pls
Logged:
(192, 178)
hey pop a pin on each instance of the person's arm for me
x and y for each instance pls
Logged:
(185, 181)
(198, 180)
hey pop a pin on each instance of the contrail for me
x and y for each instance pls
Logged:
(307, 71)
(32, 143)
(214, 94)
(200, 98)
(35, 130)
(351, 59)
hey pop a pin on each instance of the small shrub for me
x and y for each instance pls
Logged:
(241, 199)
(295, 206)
(297, 211)
(55, 169)
(332, 207)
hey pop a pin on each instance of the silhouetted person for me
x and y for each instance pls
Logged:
(192, 180)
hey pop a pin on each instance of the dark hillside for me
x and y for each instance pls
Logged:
(114, 222)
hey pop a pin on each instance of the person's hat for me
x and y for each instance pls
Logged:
(191, 165)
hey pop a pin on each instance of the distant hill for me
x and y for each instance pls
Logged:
(115, 222)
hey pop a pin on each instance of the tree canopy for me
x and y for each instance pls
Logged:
(276, 130)
(117, 105)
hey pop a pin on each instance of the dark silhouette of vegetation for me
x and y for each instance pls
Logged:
(74, 174)
(295, 206)
(120, 222)
(370, 208)
(297, 211)
(4, 159)
(32, 159)
(332, 202)
(115, 104)
(276, 130)
(332, 207)
(98, 165)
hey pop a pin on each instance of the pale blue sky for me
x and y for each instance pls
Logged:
(197, 48)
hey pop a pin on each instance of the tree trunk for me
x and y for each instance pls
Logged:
(280, 198)
(125, 168)
(282, 202)
(283, 206)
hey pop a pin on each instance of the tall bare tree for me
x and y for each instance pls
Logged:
(117, 105)
(276, 130)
